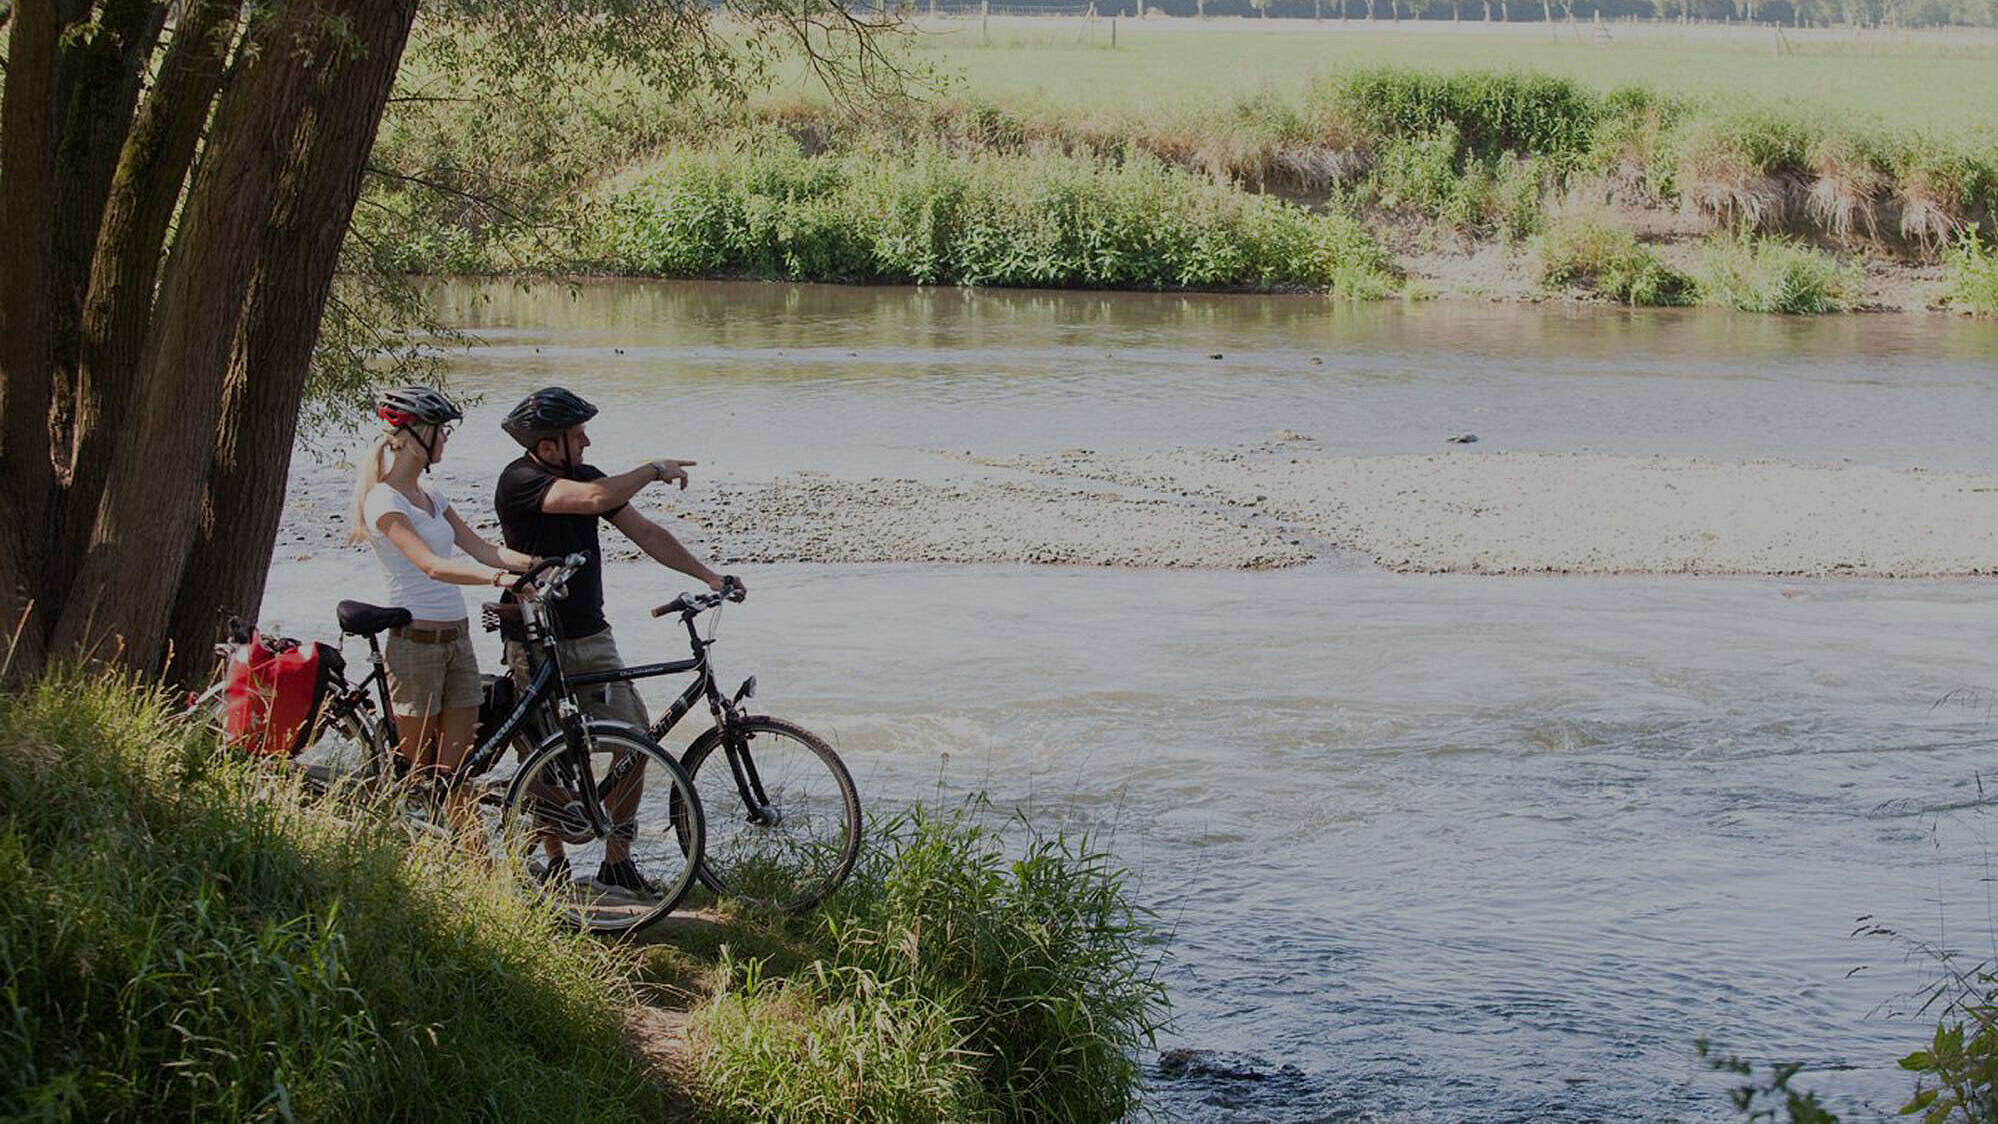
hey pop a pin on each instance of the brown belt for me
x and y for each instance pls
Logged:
(428, 635)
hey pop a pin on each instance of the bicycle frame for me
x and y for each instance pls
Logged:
(749, 785)
(547, 685)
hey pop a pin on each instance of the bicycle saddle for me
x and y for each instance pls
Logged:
(361, 619)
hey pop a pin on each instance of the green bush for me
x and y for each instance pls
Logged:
(1775, 275)
(1516, 213)
(1972, 269)
(1634, 133)
(1587, 251)
(961, 983)
(183, 937)
(925, 217)
(1492, 112)
(1421, 174)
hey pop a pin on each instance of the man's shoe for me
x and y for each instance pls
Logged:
(625, 878)
(552, 874)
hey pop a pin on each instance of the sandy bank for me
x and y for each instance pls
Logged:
(1467, 511)
(814, 518)
(1463, 509)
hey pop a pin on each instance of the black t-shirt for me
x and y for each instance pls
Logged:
(530, 530)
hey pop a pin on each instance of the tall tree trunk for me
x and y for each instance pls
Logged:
(124, 266)
(27, 345)
(258, 422)
(124, 590)
(98, 80)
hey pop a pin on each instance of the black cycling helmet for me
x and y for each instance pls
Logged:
(546, 413)
(416, 405)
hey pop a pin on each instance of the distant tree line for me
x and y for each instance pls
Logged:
(1787, 13)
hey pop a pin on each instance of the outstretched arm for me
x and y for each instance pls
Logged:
(575, 497)
(659, 543)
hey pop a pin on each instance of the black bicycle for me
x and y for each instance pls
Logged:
(783, 817)
(586, 791)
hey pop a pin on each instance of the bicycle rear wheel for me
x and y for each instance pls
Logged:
(618, 880)
(351, 751)
(784, 818)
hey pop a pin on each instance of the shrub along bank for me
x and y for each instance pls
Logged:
(762, 209)
(1265, 192)
(957, 976)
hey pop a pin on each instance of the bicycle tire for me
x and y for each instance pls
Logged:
(528, 816)
(739, 860)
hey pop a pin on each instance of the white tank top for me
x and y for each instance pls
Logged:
(426, 598)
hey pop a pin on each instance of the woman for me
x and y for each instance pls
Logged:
(433, 674)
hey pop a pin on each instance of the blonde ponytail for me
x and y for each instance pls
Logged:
(368, 472)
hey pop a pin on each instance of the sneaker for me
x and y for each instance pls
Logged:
(625, 878)
(552, 874)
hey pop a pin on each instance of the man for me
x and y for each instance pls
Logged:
(549, 502)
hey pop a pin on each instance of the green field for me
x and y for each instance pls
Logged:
(1947, 82)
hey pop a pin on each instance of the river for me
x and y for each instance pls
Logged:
(1429, 847)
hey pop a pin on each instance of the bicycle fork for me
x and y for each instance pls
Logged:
(748, 781)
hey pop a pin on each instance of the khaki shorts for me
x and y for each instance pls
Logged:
(616, 701)
(426, 678)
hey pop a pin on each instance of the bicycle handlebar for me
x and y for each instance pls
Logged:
(553, 588)
(687, 604)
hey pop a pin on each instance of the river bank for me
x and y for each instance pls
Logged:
(1365, 182)
(1287, 501)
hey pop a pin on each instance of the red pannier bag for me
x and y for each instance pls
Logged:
(273, 691)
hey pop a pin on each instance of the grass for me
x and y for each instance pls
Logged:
(1940, 81)
(1775, 275)
(1972, 268)
(957, 976)
(181, 936)
(1586, 251)
(184, 936)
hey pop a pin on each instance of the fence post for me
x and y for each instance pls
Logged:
(1113, 31)
(985, 21)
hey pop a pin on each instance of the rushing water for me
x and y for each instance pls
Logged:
(1430, 848)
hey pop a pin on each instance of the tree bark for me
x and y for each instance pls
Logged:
(230, 557)
(27, 274)
(119, 604)
(98, 80)
(125, 265)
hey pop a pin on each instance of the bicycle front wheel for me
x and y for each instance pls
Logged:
(616, 862)
(784, 826)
